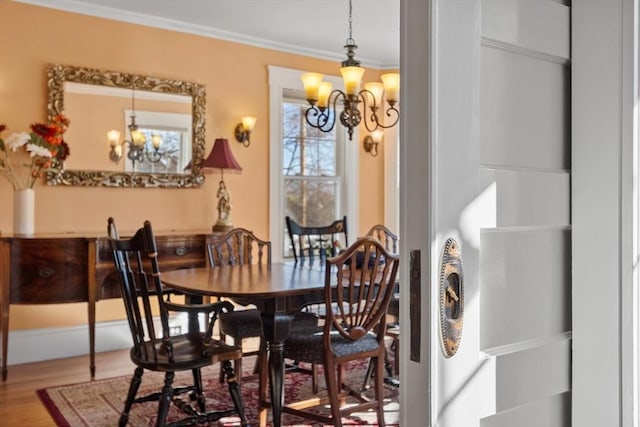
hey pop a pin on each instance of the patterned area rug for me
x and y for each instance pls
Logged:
(98, 403)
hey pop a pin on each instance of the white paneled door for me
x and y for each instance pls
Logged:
(487, 162)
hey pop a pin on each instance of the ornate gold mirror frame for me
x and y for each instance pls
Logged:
(58, 75)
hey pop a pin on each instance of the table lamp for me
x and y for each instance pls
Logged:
(222, 158)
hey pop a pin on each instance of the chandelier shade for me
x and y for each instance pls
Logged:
(137, 141)
(322, 98)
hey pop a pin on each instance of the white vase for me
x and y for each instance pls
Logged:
(24, 212)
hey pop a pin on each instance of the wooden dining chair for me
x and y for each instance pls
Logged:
(309, 242)
(155, 348)
(240, 246)
(316, 243)
(385, 236)
(363, 290)
(390, 241)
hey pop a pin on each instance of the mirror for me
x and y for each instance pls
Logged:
(171, 113)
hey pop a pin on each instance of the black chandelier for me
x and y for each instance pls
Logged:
(324, 99)
(137, 143)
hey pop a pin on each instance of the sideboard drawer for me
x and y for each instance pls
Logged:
(180, 251)
(49, 270)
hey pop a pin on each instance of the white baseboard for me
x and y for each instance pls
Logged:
(35, 345)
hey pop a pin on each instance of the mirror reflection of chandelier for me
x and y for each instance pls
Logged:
(138, 150)
(323, 98)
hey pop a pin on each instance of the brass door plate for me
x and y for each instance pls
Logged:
(451, 298)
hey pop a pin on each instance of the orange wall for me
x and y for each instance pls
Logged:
(236, 80)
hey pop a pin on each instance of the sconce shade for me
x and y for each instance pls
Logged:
(221, 157)
(248, 122)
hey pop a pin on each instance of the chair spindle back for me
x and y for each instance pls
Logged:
(136, 262)
(360, 282)
(238, 246)
(309, 241)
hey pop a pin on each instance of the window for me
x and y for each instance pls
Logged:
(311, 183)
(309, 178)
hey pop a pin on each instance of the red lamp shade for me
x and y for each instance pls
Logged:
(221, 157)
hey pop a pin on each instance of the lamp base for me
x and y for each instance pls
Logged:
(218, 228)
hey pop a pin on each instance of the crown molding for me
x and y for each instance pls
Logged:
(200, 30)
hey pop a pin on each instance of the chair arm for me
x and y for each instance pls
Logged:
(216, 307)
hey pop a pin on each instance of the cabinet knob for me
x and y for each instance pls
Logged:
(181, 251)
(46, 272)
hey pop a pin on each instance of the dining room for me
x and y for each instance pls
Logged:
(206, 103)
(507, 99)
(128, 48)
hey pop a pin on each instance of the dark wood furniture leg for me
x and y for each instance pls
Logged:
(92, 296)
(276, 330)
(5, 277)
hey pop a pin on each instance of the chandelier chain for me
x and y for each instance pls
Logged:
(350, 39)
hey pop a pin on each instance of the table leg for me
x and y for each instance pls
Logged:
(92, 297)
(5, 299)
(4, 320)
(276, 330)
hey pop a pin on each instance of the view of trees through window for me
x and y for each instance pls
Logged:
(309, 169)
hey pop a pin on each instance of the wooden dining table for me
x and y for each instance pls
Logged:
(278, 291)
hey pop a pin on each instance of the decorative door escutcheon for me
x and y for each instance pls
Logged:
(451, 298)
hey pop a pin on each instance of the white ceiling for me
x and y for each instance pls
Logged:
(311, 27)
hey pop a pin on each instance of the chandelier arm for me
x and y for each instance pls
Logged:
(324, 120)
(376, 124)
(321, 118)
(391, 111)
(154, 156)
(365, 108)
(317, 118)
(332, 103)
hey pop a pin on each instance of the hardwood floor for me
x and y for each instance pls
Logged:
(19, 404)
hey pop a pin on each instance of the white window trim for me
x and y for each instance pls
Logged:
(392, 178)
(286, 78)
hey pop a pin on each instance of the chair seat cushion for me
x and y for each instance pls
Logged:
(241, 324)
(309, 348)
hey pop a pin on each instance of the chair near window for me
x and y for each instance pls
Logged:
(361, 280)
(240, 246)
(385, 236)
(307, 242)
(154, 348)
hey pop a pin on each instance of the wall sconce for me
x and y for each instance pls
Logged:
(243, 130)
(370, 142)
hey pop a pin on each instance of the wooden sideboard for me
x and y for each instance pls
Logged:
(66, 268)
